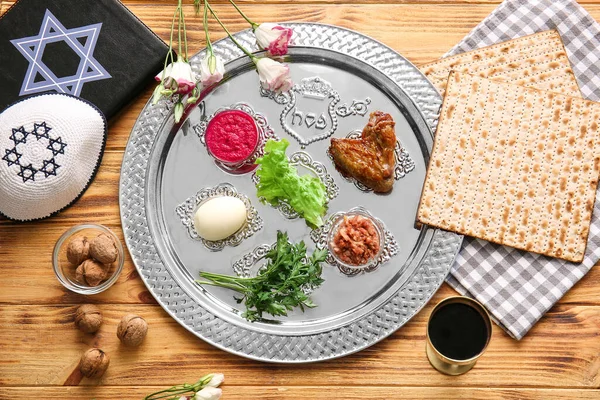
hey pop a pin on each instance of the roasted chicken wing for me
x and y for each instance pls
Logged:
(370, 159)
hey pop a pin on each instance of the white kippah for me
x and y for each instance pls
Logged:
(50, 149)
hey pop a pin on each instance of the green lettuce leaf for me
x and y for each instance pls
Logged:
(279, 181)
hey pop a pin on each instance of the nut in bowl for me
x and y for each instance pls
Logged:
(88, 259)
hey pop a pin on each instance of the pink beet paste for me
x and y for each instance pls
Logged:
(231, 136)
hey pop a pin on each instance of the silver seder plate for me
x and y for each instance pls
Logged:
(341, 76)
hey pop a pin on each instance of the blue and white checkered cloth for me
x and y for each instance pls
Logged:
(519, 287)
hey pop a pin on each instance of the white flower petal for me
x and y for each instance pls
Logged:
(209, 393)
(273, 38)
(273, 75)
(206, 76)
(265, 34)
(216, 380)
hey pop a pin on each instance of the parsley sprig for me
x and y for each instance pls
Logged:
(280, 286)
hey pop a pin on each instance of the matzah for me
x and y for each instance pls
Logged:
(539, 61)
(515, 166)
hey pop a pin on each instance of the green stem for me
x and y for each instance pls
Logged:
(184, 36)
(253, 24)
(180, 389)
(229, 278)
(179, 28)
(229, 33)
(170, 53)
(229, 285)
(170, 392)
(171, 395)
(208, 43)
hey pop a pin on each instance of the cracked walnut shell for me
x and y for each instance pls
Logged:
(78, 250)
(91, 273)
(132, 330)
(93, 363)
(88, 318)
(103, 249)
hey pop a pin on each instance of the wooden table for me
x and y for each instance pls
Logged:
(40, 348)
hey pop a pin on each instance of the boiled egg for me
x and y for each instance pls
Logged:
(220, 217)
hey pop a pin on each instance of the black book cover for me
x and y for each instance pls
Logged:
(95, 49)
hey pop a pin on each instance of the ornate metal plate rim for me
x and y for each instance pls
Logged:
(338, 342)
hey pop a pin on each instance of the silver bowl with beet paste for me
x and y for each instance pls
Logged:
(224, 133)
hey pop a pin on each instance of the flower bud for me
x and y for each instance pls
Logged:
(216, 380)
(157, 93)
(178, 77)
(211, 69)
(178, 111)
(209, 393)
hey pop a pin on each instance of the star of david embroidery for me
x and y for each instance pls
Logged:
(49, 167)
(20, 137)
(57, 146)
(12, 156)
(81, 40)
(41, 130)
(27, 173)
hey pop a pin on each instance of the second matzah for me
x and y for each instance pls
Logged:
(539, 61)
(515, 166)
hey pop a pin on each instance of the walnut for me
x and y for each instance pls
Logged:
(103, 249)
(88, 318)
(93, 363)
(78, 250)
(91, 273)
(132, 330)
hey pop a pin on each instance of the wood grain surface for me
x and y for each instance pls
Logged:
(40, 348)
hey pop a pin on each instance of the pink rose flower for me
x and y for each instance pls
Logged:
(178, 77)
(211, 70)
(273, 75)
(273, 38)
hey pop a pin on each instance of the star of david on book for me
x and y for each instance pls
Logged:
(81, 40)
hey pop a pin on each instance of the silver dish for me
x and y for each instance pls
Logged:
(165, 164)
